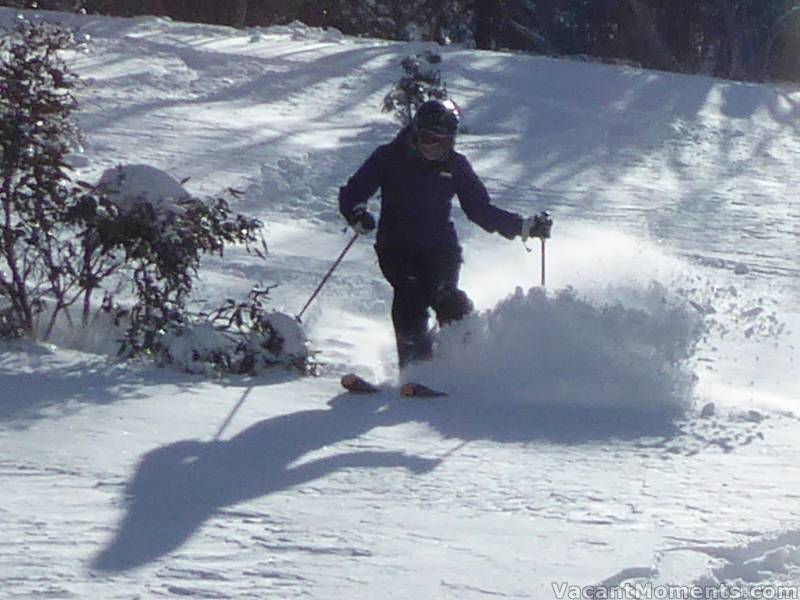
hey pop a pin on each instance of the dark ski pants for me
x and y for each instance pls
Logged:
(422, 280)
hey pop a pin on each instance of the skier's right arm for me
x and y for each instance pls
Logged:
(354, 195)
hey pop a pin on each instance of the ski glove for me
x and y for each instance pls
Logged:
(361, 221)
(538, 226)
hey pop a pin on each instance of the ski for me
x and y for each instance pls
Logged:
(417, 390)
(358, 385)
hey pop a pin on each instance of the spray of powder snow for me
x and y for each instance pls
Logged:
(620, 344)
(565, 350)
(627, 342)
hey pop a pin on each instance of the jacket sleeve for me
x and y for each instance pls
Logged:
(363, 184)
(474, 199)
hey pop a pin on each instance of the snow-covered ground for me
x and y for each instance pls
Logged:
(638, 422)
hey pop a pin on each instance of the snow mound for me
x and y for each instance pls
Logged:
(568, 352)
(205, 349)
(299, 31)
(131, 185)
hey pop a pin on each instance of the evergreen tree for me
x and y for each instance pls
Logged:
(421, 81)
(751, 35)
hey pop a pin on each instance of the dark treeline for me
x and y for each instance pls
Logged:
(753, 40)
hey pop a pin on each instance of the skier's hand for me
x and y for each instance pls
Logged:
(361, 221)
(538, 226)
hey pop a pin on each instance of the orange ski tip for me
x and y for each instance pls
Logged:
(349, 379)
(417, 390)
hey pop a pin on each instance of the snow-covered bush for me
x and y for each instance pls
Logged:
(161, 233)
(239, 337)
(129, 246)
(421, 81)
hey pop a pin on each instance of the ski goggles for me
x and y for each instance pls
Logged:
(428, 138)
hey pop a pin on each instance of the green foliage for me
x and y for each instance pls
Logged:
(38, 255)
(62, 241)
(161, 250)
(257, 337)
(421, 80)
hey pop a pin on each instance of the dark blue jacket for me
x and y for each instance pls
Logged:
(417, 194)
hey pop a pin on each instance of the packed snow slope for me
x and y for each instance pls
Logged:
(636, 422)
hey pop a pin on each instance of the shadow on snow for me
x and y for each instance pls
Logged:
(39, 383)
(177, 487)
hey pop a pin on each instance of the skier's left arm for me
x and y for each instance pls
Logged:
(474, 199)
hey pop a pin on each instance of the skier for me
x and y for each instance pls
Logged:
(418, 251)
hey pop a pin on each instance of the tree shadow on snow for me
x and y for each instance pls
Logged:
(37, 383)
(42, 380)
(177, 487)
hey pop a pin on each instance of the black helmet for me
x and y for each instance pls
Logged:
(437, 116)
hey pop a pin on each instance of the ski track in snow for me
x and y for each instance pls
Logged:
(114, 487)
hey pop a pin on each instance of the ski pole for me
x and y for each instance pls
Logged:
(544, 264)
(542, 224)
(299, 317)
